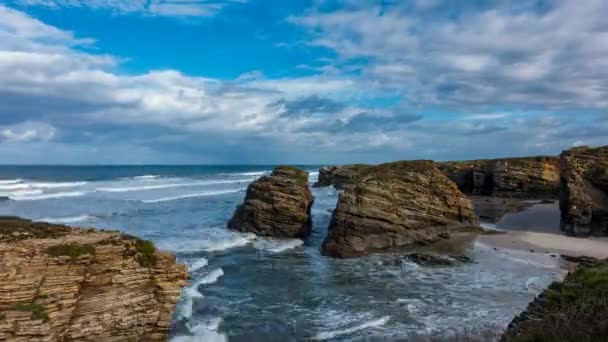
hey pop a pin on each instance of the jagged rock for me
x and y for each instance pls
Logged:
(339, 176)
(530, 177)
(584, 191)
(395, 205)
(277, 205)
(63, 284)
(434, 260)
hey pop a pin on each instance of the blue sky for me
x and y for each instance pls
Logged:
(318, 81)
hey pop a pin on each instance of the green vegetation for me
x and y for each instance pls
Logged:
(2, 317)
(147, 253)
(300, 176)
(574, 310)
(36, 309)
(73, 250)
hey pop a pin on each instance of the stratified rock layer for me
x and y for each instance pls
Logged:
(584, 191)
(530, 177)
(339, 176)
(64, 284)
(395, 205)
(277, 205)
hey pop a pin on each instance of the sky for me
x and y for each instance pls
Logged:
(300, 81)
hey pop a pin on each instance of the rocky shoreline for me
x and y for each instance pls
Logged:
(68, 284)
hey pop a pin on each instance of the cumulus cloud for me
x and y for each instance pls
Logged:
(549, 57)
(27, 132)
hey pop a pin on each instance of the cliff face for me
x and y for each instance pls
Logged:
(584, 191)
(395, 205)
(339, 176)
(511, 177)
(278, 205)
(64, 284)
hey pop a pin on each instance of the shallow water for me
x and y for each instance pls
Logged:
(250, 289)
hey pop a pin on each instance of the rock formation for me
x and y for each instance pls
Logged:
(584, 191)
(63, 284)
(277, 205)
(339, 176)
(395, 205)
(530, 177)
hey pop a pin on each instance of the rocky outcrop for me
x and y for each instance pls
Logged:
(339, 176)
(63, 284)
(530, 177)
(278, 205)
(584, 191)
(396, 205)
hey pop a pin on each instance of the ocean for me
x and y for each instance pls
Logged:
(246, 288)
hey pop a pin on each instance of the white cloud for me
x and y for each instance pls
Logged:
(27, 132)
(172, 8)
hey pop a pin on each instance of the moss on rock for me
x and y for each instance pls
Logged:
(73, 250)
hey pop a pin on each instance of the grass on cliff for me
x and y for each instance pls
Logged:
(147, 253)
(36, 309)
(73, 250)
(575, 310)
(300, 176)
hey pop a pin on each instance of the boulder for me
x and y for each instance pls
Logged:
(529, 177)
(396, 205)
(584, 191)
(278, 205)
(339, 176)
(67, 284)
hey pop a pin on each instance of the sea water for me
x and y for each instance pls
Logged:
(246, 288)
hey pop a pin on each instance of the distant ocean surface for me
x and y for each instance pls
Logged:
(246, 288)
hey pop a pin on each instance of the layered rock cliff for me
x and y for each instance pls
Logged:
(339, 176)
(63, 284)
(584, 191)
(278, 205)
(395, 205)
(528, 177)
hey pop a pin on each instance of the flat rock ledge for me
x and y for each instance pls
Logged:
(584, 191)
(277, 206)
(67, 284)
(396, 205)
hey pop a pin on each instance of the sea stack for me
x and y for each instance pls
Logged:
(66, 284)
(527, 177)
(339, 176)
(584, 191)
(396, 205)
(277, 206)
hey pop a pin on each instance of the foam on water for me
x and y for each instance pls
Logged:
(197, 265)
(199, 194)
(172, 185)
(67, 219)
(276, 245)
(253, 173)
(216, 239)
(351, 330)
(36, 185)
(147, 177)
(211, 277)
(10, 181)
(47, 196)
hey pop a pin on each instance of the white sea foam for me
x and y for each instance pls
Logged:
(36, 185)
(200, 194)
(10, 181)
(208, 336)
(211, 277)
(172, 185)
(253, 173)
(326, 335)
(487, 225)
(26, 192)
(147, 177)
(66, 219)
(197, 265)
(276, 245)
(232, 241)
(212, 324)
(47, 196)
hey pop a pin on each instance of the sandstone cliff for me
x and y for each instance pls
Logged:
(63, 284)
(339, 176)
(511, 177)
(584, 191)
(278, 205)
(395, 205)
